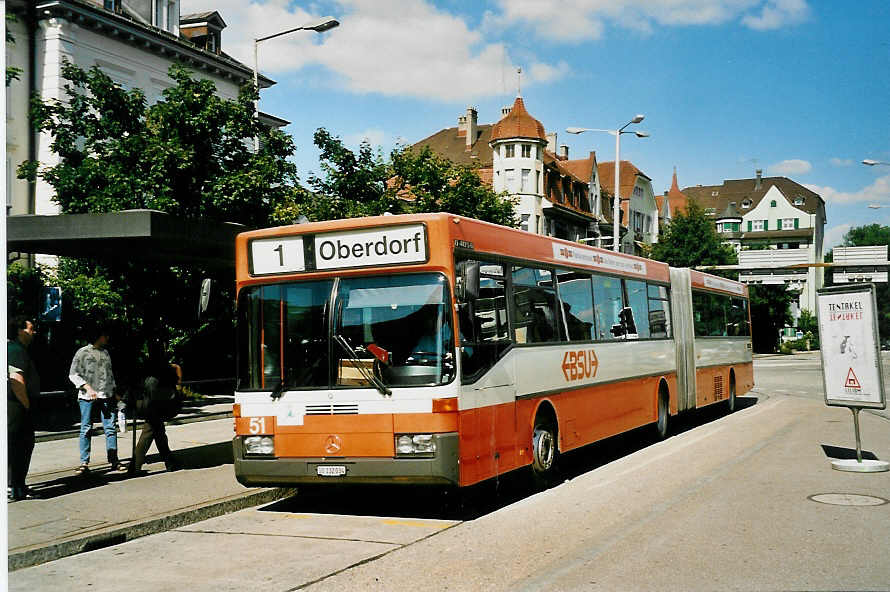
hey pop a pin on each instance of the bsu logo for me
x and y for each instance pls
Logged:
(580, 364)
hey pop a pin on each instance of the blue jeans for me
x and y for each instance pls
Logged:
(107, 411)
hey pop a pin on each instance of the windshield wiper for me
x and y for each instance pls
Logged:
(277, 391)
(357, 363)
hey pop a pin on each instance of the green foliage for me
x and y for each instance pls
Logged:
(365, 184)
(868, 235)
(12, 72)
(188, 154)
(438, 185)
(770, 312)
(807, 322)
(24, 287)
(691, 240)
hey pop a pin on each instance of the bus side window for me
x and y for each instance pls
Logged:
(638, 301)
(576, 301)
(534, 305)
(659, 312)
(607, 304)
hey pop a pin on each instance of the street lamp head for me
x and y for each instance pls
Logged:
(323, 24)
(869, 162)
(640, 117)
(575, 130)
(642, 134)
(875, 206)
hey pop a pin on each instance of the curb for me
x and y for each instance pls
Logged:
(116, 535)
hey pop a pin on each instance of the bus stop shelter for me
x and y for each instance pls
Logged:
(133, 235)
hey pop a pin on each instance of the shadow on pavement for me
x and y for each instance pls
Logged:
(196, 457)
(840, 453)
(425, 502)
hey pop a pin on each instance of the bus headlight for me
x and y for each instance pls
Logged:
(263, 445)
(415, 444)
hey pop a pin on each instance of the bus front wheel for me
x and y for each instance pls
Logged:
(544, 451)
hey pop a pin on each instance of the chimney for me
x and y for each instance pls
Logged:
(472, 118)
(758, 183)
(563, 152)
(461, 125)
(551, 142)
(505, 110)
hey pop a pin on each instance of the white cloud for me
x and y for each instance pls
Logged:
(877, 192)
(776, 14)
(841, 162)
(576, 20)
(791, 167)
(374, 137)
(392, 47)
(835, 236)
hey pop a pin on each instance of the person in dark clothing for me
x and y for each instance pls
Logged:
(160, 403)
(23, 386)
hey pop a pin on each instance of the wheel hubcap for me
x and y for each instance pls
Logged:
(543, 449)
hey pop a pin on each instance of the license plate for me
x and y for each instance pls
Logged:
(331, 470)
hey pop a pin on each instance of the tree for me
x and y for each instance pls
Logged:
(770, 313)
(364, 184)
(12, 72)
(187, 154)
(691, 240)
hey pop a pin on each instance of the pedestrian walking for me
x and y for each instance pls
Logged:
(161, 402)
(23, 386)
(92, 375)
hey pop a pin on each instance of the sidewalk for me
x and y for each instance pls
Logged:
(80, 513)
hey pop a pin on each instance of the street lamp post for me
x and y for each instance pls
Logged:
(321, 25)
(616, 200)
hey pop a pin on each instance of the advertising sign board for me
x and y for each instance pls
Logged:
(851, 357)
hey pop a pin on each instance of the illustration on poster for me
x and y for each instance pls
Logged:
(847, 345)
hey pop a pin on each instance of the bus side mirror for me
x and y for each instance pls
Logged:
(467, 281)
(204, 299)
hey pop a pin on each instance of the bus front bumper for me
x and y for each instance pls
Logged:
(441, 469)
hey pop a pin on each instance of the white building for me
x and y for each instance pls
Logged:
(777, 227)
(639, 210)
(133, 41)
(554, 196)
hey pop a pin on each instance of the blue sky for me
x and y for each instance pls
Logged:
(799, 88)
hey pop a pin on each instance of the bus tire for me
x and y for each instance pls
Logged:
(545, 451)
(662, 424)
(731, 402)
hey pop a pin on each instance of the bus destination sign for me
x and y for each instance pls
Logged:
(373, 246)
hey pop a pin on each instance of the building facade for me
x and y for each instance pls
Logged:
(639, 211)
(554, 195)
(776, 225)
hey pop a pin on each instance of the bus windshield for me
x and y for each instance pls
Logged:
(347, 333)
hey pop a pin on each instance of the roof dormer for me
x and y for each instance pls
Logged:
(204, 29)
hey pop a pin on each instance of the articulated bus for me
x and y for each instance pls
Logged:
(437, 349)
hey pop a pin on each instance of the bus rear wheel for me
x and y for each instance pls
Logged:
(544, 451)
(664, 414)
(731, 403)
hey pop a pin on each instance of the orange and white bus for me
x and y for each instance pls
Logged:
(439, 349)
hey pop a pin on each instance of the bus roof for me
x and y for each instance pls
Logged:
(700, 279)
(450, 231)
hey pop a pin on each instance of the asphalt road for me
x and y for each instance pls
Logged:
(729, 502)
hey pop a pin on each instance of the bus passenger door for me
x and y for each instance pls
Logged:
(684, 337)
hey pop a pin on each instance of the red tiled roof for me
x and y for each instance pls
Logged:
(629, 174)
(676, 198)
(518, 124)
